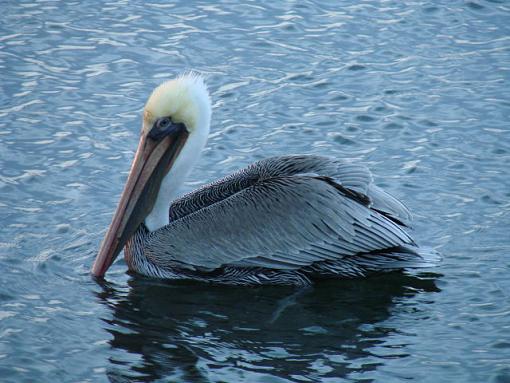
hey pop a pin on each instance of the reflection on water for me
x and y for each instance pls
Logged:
(190, 332)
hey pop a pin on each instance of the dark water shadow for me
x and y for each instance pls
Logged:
(186, 332)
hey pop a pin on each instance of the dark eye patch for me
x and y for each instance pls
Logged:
(164, 126)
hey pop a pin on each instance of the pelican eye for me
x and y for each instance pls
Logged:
(163, 123)
(162, 126)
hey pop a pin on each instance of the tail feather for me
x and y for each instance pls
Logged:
(389, 206)
(400, 257)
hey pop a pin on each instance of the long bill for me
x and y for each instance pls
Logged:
(153, 160)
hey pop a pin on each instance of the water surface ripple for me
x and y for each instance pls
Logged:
(418, 91)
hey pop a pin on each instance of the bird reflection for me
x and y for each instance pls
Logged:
(199, 333)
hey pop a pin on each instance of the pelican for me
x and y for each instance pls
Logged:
(286, 220)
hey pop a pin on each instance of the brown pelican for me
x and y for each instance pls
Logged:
(281, 220)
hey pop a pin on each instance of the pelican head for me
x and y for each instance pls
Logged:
(175, 127)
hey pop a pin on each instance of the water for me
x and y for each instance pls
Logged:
(419, 92)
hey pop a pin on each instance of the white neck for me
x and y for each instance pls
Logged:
(171, 183)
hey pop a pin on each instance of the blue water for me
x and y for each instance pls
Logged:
(418, 91)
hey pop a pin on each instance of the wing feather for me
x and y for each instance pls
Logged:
(353, 176)
(281, 223)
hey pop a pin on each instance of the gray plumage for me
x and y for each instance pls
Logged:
(282, 220)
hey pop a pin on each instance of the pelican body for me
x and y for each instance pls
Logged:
(285, 220)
